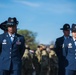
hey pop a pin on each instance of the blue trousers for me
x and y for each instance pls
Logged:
(7, 72)
(10, 71)
(70, 72)
(1, 72)
(61, 71)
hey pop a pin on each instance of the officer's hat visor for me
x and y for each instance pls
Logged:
(12, 22)
(73, 28)
(65, 27)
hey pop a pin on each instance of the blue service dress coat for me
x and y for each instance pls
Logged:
(69, 52)
(11, 52)
(58, 46)
(59, 51)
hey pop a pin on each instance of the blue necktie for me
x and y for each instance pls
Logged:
(75, 42)
(12, 38)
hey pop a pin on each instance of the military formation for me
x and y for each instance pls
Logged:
(42, 61)
(17, 58)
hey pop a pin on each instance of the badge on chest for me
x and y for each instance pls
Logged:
(18, 42)
(4, 41)
(70, 45)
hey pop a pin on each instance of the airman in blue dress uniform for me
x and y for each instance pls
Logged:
(69, 52)
(59, 48)
(11, 50)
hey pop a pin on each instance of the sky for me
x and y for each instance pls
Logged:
(45, 17)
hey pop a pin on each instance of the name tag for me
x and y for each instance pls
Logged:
(18, 43)
(4, 43)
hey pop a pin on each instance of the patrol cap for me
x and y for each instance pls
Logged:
(3, 26)
(27, 47)
(65, 27)
(12, 21)
(51, 47)
(73, 28)
(42, 46)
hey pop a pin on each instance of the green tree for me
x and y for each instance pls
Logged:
(29, 38)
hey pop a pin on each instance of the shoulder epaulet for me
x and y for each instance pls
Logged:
(60, 37)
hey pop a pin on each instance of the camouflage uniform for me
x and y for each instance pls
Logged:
(53, 62)
(36, 61)
(27, 67)
(44, 63)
